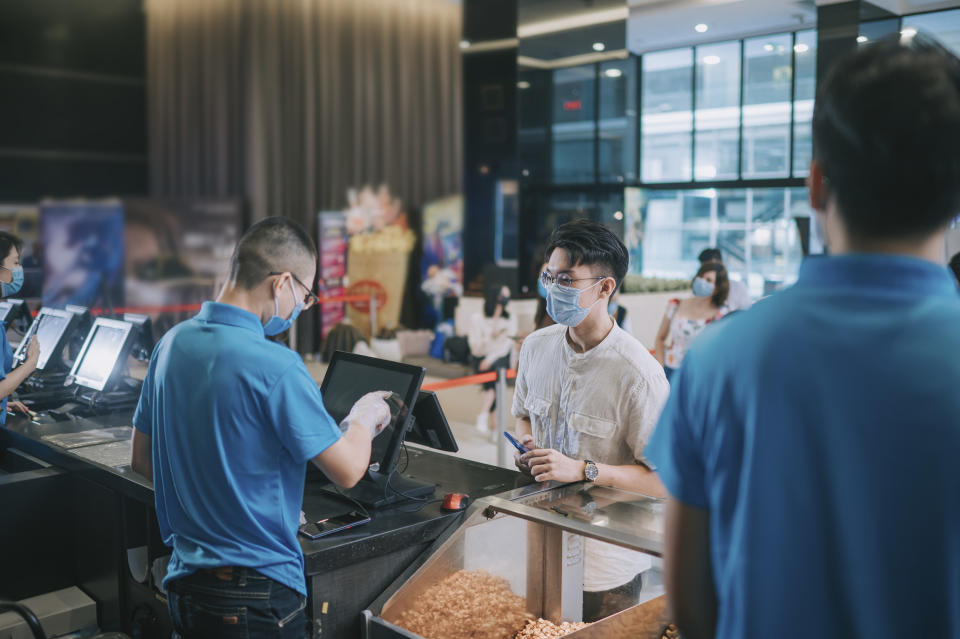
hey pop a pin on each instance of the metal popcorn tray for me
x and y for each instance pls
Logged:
(519, 556)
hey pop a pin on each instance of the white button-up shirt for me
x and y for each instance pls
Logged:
(600, 405)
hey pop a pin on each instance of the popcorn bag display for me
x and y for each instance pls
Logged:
(378, 255)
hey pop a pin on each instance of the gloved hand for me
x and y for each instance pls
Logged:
(371, 412)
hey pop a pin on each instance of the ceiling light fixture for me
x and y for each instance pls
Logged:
(862, 39)
(768, 47)
(464, 44)
(801, 48)
(599, 46)
(701, 28)
(618, 215)
(909, 32)
(523, 84)
(711, 59)
(613, 73)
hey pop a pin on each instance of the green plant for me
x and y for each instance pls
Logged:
(640, 284)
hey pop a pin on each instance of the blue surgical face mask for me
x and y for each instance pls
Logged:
(702, 288)
(563, 304)
(276, 324)
(12, 288)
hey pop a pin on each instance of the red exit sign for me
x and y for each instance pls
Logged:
(572, 105)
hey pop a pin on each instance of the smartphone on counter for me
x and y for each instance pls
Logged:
(323, 527)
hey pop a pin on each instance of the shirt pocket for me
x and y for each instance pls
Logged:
(601, 429)
(537, 406)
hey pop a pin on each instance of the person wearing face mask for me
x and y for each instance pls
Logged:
(491, 344)
(587, 397)
(620, 314)
(685, 319)
(226, 422)
(11, 281)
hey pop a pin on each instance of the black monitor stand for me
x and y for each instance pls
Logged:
(377, 490)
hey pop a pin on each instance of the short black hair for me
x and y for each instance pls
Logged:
(8, 242)
(955, 265)
(710, 255)
(272, 245)
(590, 243)
(886, 131)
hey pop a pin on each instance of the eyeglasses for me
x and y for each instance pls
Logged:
(309, 299)
(564, 280)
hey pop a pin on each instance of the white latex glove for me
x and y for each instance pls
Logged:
(371, 412)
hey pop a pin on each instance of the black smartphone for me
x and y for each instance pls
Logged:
(323, 527)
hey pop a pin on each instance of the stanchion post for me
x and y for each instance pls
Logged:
(501, 442)
(373, 315)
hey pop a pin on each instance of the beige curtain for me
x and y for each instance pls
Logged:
(288, 103)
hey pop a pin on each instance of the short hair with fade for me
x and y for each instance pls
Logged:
(272, 245)
(886, 132)
(590, 243)
(711, 254)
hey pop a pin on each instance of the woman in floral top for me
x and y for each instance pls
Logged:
(684, 319)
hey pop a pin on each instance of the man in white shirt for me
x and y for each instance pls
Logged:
(588, 396)
(739, 297)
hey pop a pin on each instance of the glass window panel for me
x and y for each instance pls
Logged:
(533, 112)
(618, 121)
(717, 117)
(667, 119)
(766, 106)
(573, 127)
(943, 25)
(805, 88)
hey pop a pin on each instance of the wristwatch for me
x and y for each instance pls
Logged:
(590, 471)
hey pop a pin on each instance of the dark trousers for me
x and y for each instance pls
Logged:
(235, 603)
(600, 605)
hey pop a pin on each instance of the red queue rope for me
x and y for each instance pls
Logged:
(192, 308)
(470, 380)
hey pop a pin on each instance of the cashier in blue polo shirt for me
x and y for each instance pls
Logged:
(810, 444)
(226, 422)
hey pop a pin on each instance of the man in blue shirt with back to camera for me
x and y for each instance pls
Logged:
(226, 423)
(810, 445)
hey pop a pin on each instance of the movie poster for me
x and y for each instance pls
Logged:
(83, 252)
(332, 243)
(441, 273)
(178, 254)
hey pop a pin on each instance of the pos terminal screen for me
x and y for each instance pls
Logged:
(350, 377)
(101, 354)
(48, 328)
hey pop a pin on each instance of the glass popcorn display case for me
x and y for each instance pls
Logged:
(515, 569)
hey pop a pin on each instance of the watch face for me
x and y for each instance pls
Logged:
(590, 471)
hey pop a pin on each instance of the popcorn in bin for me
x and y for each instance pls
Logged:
(514, 570)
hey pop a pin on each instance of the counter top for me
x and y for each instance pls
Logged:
(397, 525)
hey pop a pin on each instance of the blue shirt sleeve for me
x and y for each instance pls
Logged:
(296, 411)
(143, 416)
(674, 450)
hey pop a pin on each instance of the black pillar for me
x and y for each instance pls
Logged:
(490, 126)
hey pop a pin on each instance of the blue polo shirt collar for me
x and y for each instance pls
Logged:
(891, 273)
(217, 313)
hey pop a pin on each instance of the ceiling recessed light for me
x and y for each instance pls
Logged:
(613, 73)
(523, 84)
(599, 46)
(618, 215)
(464, 44)
(801, 48)
(711, 59)
(909, 32)
(862, 39)
(701, 28)
(768, 47)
